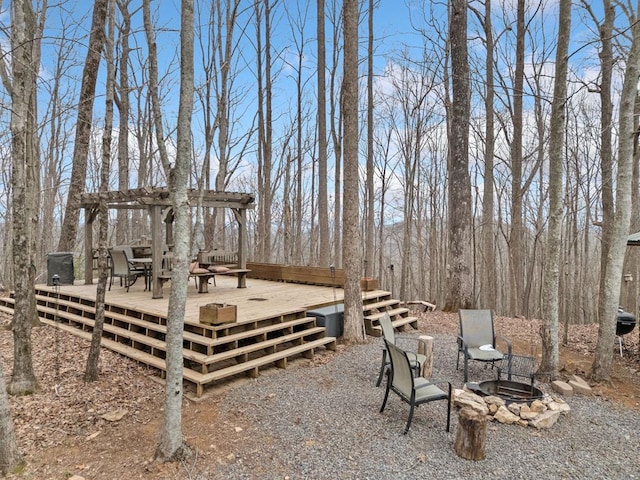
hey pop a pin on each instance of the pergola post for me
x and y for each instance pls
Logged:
(156, 250)
(89, 217)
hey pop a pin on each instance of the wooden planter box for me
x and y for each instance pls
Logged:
(216, 313)
(368, 284)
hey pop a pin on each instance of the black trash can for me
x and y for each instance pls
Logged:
(61, 264)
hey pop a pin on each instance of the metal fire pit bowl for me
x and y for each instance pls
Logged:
(511, 391)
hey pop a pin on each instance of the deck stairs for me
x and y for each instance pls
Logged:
(212, 353)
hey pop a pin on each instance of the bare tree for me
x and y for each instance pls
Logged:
(601, 369)
(10, 456)
(171, 445)
(25, 187)
(265, 127)
(123, 226)
(550, 294)
(516, 236)
(352, 252)
(91, 369)
(83, 126)
(459, 282)
(369, 213)
(323, 204)
(489, 275)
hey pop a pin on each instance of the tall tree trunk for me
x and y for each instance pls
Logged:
(601, 369)
(171, 445)
(352, 254)
(123, 227)
(516, 238)
(91, 369)
(459, 280)
(489, 276)
(370, 214)
(25, 193)
(550, 290)
(323, 204)
(10, 457)
(83, 127)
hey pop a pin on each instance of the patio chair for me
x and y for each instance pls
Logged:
(416, 359)
(413, 390)
(121, 267)
(477, 340)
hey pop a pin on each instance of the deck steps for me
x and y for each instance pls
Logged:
(377, 305)
(211, 353)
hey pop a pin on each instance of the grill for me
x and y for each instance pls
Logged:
(625, 324)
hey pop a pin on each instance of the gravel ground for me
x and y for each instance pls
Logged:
(323, 422)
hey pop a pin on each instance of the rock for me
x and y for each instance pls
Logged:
(527, 414)
(471, 400)
(580, 385)
(503, 415)
(514, 408)
(523, 423)
(493, 400)
(76, 477)
(537, 406)
(493, 408)
(561, 407)
(545, 420)
(563, 388)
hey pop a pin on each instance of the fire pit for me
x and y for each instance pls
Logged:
(510, 391)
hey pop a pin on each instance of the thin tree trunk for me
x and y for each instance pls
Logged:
(91, 369)
(10, 457)
(352, 254)
(323, 205)
(171, 446)
(550, 293)
(516, 237)
(489, 281)
(601, 369)
(370, 214)
(83, 127)
(459, 279)
(25, 193)
(123, 226)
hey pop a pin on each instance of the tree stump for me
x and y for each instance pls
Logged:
(471, 434)
(425, 347)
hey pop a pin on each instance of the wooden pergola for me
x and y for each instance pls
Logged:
(156, 200)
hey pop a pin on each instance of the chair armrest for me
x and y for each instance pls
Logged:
(462, 345)
(435, 382)
(505, 340)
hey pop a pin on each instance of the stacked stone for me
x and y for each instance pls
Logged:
(542, 413)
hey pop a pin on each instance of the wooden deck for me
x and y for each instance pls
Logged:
(272, 324)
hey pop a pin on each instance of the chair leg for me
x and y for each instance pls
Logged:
(386, 396)
(406, 429)
(466, 367)
(382, 368)
(449, 409)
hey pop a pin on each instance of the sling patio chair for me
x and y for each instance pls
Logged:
(416, 359)
(121, 267)
(477, 339)
(413, 390)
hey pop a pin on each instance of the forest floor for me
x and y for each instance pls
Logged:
(110, 429)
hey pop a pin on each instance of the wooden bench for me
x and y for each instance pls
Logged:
(202, 279)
